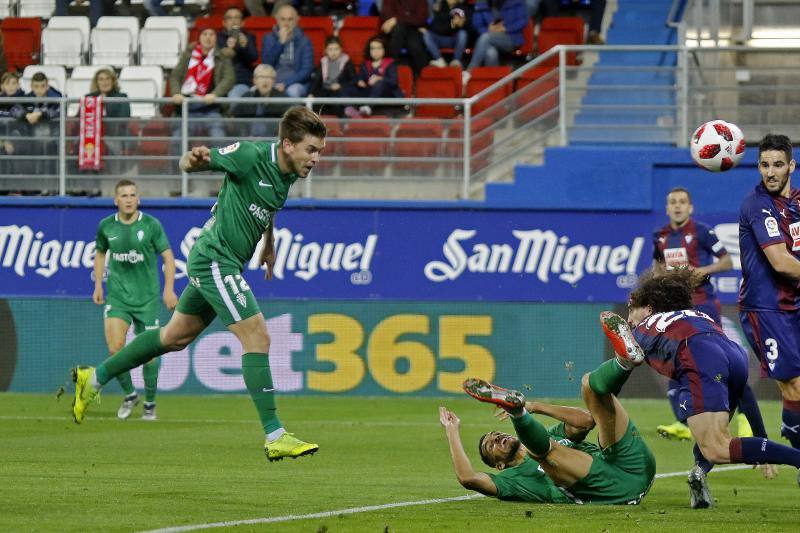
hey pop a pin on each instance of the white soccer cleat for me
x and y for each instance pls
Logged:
(128, 403)
(149, 412)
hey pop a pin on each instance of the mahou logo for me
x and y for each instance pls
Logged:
(536, 251)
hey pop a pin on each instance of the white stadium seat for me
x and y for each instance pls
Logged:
(175, 23)
(131, 24)
(65, 41)
(56, 76)
(79, 84)
(112, 46)
(79, 23)
(37, 8)
(142, 82)
(5, 8)
(159, 46)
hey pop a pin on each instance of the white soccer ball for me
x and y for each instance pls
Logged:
(717, 145)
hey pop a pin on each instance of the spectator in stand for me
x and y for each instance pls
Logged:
(449, 28)
(335, 72)
(40, 120)
(97, 8)
(104, 83)
(238, 46)
(595, 8)
(3, 62)
(203, 72)
(377, 78)
(154, 7)
(289, 51)
(9, 128)
(401, 22)
(500, 24)
(265, 107)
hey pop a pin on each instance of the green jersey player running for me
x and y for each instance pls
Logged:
(555, 465)
(131, 241)
(258, 176)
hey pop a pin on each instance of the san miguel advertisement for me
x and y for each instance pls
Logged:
(399, 254)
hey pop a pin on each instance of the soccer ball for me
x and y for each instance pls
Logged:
(717, 145)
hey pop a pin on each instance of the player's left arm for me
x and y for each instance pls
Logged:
(169, 296)
(467, 476)
(267, 256)
(782, 261)
(196, 160)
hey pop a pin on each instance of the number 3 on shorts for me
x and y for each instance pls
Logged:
(772, 349)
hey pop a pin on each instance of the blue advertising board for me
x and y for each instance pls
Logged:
(376, 252)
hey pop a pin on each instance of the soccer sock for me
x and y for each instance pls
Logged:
(258, 378)
(672, 396)
(701, 461)
(126, 383)
(759, 451)
(609, 377)
(790, 428)
(748, 406)
(532, 434)
(141, 349)
(150, 374)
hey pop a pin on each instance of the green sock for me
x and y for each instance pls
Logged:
(258, 378)
(608, 378)
(532, 434)
(150, 374)
(126, 383)
(141, 349)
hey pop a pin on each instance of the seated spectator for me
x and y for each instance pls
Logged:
(9, 128)
(266, 106)
(500, 24)
(40, 120)
(289, 51)
(335, 72)
(104, 83)
(154, 7)
(202, 71)
(97, 8)
(401, 21)
(240, 47)
(377, 78)
(449, 28)
(595, 8)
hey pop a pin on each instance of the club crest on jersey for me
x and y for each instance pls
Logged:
(228, 149)
(242, 299)
(772, 227)
(140, 235)
(794, 232)
(688, 238)
(676, 258)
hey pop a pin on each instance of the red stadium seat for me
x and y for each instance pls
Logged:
(22, 37)
(213, 21)
(536, 94)
(374, 141)
(405, 79)
(527, 47)
(218, 7)
(560, 30)
(333, 145)
(259, 26)
(483, 77)
(317, 29)
(435, 82)
(418, 151)
(154, 147)
(574, 24)
(482, 137)
(354, 34)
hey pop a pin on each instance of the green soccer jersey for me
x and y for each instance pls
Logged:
(526, 482)
(253, 190)
(132, 253)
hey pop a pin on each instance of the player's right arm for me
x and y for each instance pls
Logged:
(99, 269)
(195, 160)
(763, 222)
(467, 476)
(782, 261)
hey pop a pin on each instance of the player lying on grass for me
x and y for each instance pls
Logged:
(688, 346)
(555, 465)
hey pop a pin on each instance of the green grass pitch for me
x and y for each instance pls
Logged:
(202, 462)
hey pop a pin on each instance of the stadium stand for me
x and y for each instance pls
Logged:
(212, 21)
(56, 76)
(112, 46)
(317, 29)
(374, 140)
(536, 93)
(162, 41)
(65, 41)
(418, 141)
(354, 34)
(483, 77)
(177, 24)
(142, 82)
(560, 30)
(26, 34)
(405, 79)
(36, 8)
(258, 26)
(127, 24)
(6, 8)
(78, 84)
(435, 82)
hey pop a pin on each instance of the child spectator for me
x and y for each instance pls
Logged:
(377, 78)
(9, 88)
(335, 72)
(449, 28)
(264, 94)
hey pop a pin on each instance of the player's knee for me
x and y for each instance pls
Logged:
(716, 452)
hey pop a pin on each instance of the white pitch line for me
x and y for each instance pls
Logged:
(251, 421)
(355, 510)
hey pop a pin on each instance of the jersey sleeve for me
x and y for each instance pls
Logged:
(100, 240)
(658, 255)
(236, 159)
(760, 216)
(558, 431)
(160, 241)
(711, 241)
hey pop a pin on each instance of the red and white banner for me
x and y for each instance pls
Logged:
(91, 140)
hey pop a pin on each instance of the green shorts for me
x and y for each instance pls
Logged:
(216, 289)
(621, 474)
(142, 318)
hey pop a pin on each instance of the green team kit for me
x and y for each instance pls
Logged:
(133, 287)
(252, 192)
(620, 474)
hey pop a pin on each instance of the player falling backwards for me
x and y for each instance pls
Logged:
(711, 370)
(688, 243)
(258, 176)
(132, 240)
(555, 465)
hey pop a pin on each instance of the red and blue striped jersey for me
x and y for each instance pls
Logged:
(765, 220)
